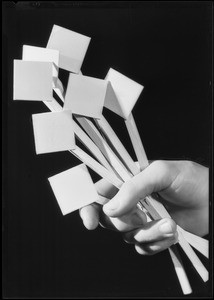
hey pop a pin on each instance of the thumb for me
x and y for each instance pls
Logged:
(154, 178)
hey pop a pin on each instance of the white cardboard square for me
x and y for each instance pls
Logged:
(53, 132)
(32, 53)
(32, 81)
(85, 95)
(111, 101)
(73, 189)
(72, 47)
(126, 90)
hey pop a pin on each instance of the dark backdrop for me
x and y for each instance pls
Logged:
(166, 46)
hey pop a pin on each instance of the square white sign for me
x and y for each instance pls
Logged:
(72, 47)
(53, 132)
(85, 95)
(126, 90)
(73, 189)
(32, 81)
(32, 53)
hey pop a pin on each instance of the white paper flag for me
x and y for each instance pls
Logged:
(32, 81)
(73, 189)
(85, 95)
(72, 47)
(32, 53)
(127, 92)
(53, 132)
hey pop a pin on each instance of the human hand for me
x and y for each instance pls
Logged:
(183, 187)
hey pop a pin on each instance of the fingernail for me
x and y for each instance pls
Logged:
(112, 205)
(166, 228)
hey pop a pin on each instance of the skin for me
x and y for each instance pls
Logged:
(183, 188)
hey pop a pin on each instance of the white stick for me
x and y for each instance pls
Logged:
(84, 157)
(104, 147)
(53, 105)
(97, 167)
(83, 137)
(202, 271)
(109, 132)
(199, 243)
(136, 142)
(179, 269)
(99, 141)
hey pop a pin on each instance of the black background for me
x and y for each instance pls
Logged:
(166, 46)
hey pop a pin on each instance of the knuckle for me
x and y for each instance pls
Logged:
(171, 224)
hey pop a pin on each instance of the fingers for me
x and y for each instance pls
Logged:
(155, 247)
(106, 189)
(156, 177)
(125, 223)
(153, 237)
(90, 215)
(152, 231)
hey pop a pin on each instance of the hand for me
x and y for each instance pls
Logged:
(183, 187)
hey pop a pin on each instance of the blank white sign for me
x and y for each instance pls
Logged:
(53, 132)
(32, 81)
(72, 47)
(73, 189)
(32, 53)
(85, 95)
(127, 92)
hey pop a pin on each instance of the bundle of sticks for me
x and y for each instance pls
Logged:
(77, 114)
